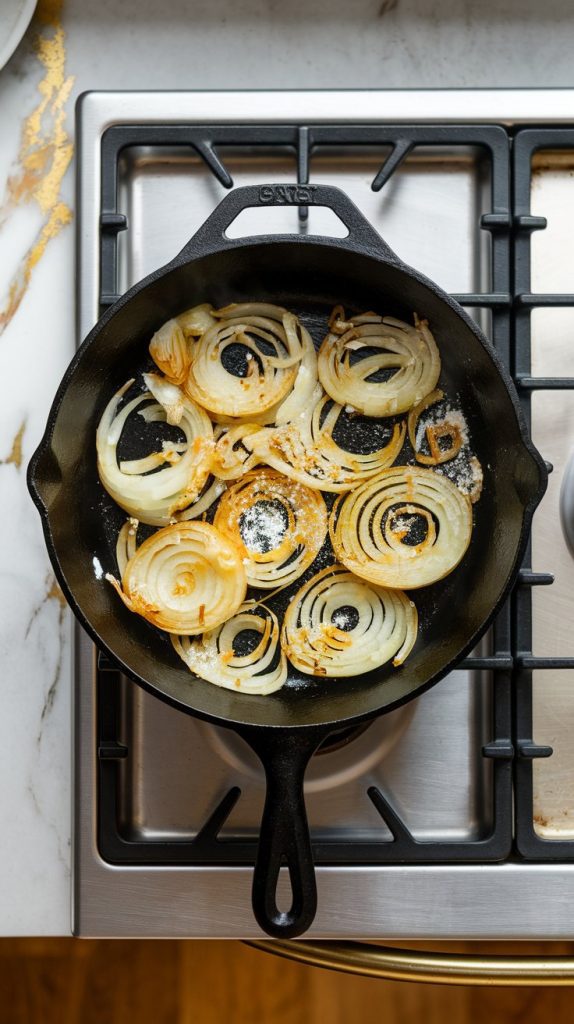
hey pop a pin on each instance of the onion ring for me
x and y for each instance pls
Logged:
(212, 657)
(185, 579)
(315, 642)
(411, 351)
(278, 526)
(371, 527)
(304, 450)
(303, 389)
(273, 350)
(155, 498)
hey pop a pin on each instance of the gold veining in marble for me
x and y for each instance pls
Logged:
(15, 456)
(55, 594)
(52, 593)
(45, 152)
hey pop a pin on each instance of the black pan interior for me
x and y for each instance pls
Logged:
(309, 279)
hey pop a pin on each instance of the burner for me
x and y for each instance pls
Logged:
(346, 755)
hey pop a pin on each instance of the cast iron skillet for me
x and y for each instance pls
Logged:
(308, 275)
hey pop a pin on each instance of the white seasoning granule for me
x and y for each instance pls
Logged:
(262, 528)
(449, 415)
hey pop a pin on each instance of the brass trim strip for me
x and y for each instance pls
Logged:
(419, 966)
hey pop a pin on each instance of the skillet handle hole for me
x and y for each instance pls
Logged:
(284, 901)
(265, 220)
(284, 896)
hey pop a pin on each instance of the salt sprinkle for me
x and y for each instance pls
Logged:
(449, 415)
(465, 471)
(262, 528)
(341, 619)
(403, 523)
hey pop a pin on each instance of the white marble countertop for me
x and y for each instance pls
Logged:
(139, 44)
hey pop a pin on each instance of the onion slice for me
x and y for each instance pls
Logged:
(211, 656)
(231, 459)
(272, 349)
(171, 346)
(303, 389)
(306, 379)
(155, 498)
(338, 625)
(126, 543)
(391, 345)
(372, 528)
(170, 352)
(185, 579)
(278, 526)
(205, 499)
(196, 321)
(304, 450)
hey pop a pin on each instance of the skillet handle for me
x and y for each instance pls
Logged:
(284, 839)
(211, 235)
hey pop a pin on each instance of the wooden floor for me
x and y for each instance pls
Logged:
(64, 981)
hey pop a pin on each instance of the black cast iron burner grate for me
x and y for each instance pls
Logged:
(511, 659)
(529, 141)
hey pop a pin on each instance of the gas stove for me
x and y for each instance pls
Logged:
(444, 818)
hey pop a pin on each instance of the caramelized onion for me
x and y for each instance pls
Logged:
(338, 625)
(185, 579)
(170, 347)
(170, 352)
(305, 450)
(278, 526)
(196, 321)
(306, 380)
(272, 349)
(212, 656)
(155, 498)
(372, 528)
(231, 458)
(126, 543)
(302, 391)
(410, 351)
(205, 499)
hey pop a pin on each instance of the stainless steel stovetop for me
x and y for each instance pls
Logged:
(426, 757)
